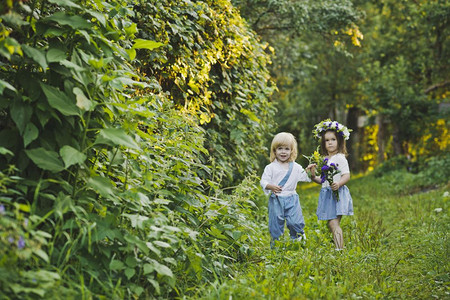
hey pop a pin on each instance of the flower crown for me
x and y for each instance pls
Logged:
(331, 125)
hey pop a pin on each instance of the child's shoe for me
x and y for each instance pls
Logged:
(302, 238)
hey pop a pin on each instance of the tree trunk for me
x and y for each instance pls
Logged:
(353, 143)
(397, 144)
(380, 138)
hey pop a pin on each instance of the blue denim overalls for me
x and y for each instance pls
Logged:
(285, 209)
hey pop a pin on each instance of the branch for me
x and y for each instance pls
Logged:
(436, 86)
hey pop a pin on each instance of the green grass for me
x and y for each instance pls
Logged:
(397, 247)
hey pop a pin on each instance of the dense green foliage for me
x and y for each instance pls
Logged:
(131, 134)
(107, 187)
(396, 247)
(378, 67)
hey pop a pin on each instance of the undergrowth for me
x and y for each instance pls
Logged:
(396, 247)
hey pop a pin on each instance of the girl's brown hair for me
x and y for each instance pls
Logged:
(284, 139)
(342, 148)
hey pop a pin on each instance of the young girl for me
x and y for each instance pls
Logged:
(332, 137)
(280, 179)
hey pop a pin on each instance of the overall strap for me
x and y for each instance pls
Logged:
(283, 181)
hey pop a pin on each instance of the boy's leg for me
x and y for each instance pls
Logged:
(276, 218)
(294, 217)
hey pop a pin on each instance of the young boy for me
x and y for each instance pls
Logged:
(280, 179)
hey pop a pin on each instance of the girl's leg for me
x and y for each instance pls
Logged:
(336, 230)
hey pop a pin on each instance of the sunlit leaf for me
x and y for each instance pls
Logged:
(4, 151)
(71, 156)
(41, 254)
(4, 84)
(116, 137)
(162, 269)
(146, 44)
(82, 101)
(102, 185)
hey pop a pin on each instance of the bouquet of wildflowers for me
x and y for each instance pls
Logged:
(324, 170)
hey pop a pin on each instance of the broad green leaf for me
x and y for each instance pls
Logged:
(115, 137)
(4, 84)
(9, 46)
(129, 272)
(76, 22)
(163, 270)
(99, 16)
(71, 65)
(138, 290)
(131, 261)
(137, 221)
(24, 207)
(82, 101)
(146, 44)
(131, 53)
(66, 3)
(30, 134)
(101, 185)
(153, 248)
(60, 101)
(155, 285)
(116, 265)
(21, 114)
(45, 159)
(41, 254)
(36, 55)
(148, 268)
(161, 244)
(55, 55)
(14, 18)
(4, 151)
(71, 156)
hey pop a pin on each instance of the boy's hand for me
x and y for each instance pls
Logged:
(274, 188)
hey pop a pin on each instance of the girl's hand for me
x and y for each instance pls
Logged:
(312, 169)
(274, 188)
(335, 186)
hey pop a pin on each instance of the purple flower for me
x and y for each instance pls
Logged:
(325, 168)
(2, 209)
(11, 240)
(21, 243)
(333, 165)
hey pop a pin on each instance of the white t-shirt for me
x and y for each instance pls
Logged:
(275, 172)
(342, 165)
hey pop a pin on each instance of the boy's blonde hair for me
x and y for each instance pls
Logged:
(284, 139)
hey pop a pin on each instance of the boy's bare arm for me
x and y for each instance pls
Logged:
(274, 188)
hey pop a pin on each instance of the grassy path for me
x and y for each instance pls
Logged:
(397, 247)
